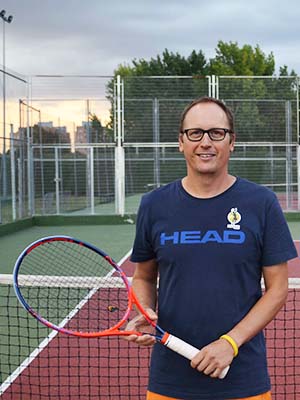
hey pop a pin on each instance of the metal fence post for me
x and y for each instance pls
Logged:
(298, 138)
(119, 150)
(57, 181)
(13, 173)
(156, 141)
(209, 85)
(92, 180)
(289, 157)
(30, 165)
(214, 88)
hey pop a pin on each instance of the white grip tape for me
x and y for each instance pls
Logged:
(186, 350)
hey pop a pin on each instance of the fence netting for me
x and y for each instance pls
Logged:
(94, 145)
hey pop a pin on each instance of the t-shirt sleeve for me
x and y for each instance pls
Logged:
(142, 247)
(278, 245)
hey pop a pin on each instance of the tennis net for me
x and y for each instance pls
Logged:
(40, 364)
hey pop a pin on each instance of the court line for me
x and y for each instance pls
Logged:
(11, 378)
(45, 342)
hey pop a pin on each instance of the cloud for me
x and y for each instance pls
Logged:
(93, 37)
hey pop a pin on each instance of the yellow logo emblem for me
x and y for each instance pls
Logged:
(234, 217)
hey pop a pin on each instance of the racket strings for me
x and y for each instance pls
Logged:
(73, 287)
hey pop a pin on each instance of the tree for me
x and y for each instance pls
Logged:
(231, 59)
(172, 64)
(96, 132)
(144, 95)
(49, 135)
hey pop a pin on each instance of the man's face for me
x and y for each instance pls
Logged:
(206, 156)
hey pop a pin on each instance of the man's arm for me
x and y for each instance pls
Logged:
(276, 291)
(213, 358)
(144, 284)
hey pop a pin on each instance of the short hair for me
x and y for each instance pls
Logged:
(206, 99)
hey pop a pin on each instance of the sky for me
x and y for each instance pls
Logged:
(93, 37)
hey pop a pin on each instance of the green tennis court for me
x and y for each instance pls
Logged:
(114, 239)
(16, 344)
(37, 364)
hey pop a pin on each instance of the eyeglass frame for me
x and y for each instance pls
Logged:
(208, 131)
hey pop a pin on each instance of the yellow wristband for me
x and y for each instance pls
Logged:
(232, 342)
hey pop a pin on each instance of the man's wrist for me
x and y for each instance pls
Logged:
(232, 342)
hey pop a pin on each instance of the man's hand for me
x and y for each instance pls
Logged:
(213, 358)
(140, 324)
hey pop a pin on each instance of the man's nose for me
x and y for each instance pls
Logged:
(206, 140)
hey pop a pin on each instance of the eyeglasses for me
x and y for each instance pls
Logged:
(215, 134)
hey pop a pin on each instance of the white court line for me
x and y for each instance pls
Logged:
(295, 283)
(25, 363)
(61, 281)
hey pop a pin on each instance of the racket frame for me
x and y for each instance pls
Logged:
(114, 330)
(176, 344)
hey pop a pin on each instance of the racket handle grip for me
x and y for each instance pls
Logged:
(186, 350)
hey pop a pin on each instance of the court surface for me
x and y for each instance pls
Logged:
(37, 366)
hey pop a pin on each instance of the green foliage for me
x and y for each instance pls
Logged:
(231, 60)
(45, 135)
(97, 133)
(260, 100)
(141, 93)
(142, 90)
(171, 64)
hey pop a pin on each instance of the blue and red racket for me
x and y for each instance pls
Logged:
(77, 289)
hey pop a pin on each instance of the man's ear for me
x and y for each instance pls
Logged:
(180, 142)
(232, 142)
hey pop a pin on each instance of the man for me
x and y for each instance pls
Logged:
(210, 237)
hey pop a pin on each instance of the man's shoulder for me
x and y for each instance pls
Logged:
(254, 189)
(161, 193)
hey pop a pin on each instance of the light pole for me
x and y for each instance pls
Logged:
(4, 181)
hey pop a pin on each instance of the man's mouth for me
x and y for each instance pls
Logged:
(206, 156)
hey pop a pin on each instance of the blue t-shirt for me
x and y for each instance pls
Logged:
(210, 254)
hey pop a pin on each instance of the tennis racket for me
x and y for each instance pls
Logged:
(77, 289)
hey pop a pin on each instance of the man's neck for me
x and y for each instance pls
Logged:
(207, 185)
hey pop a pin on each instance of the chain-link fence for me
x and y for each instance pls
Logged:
(267, 125)
(94, 145)
(78, 181)
(13, 148)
